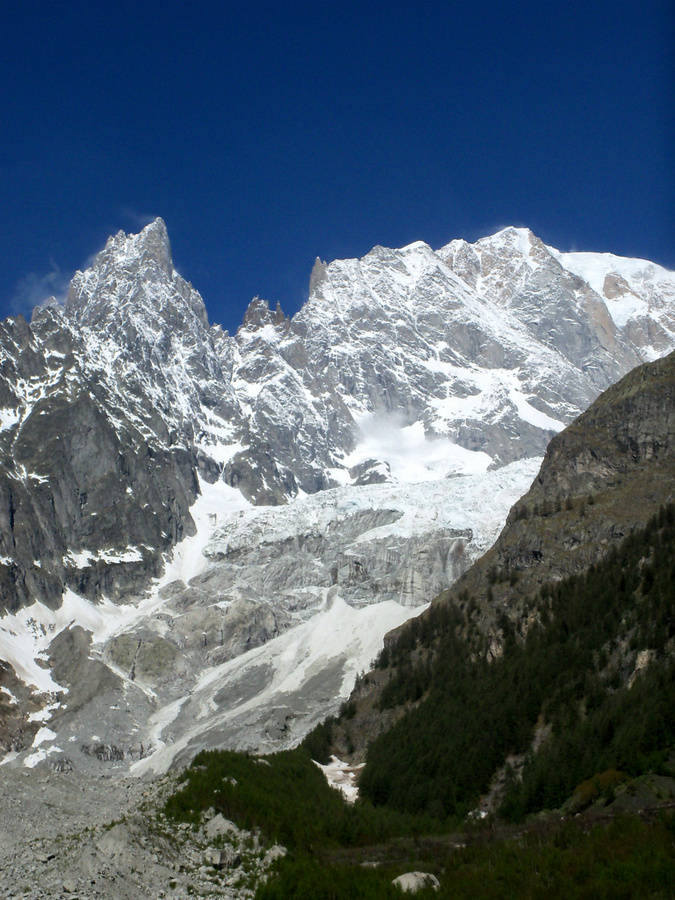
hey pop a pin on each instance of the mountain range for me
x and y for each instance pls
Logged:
(172, 496)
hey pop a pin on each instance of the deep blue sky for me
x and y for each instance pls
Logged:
(267, 133)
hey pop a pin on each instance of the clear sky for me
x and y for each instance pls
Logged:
(269, 133)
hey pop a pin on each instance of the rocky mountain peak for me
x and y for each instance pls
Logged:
(512, 234)
(318, 274)
(151, 245)
(398, 411)
(257, 315)
(133, 276)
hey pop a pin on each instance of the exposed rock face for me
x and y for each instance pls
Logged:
(96, 484)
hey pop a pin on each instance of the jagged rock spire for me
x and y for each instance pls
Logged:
(133, 272)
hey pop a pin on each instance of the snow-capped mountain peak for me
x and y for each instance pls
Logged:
(150, 248)
(134, 274)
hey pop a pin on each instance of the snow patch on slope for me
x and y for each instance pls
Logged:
(9, 418)
(44, 735)
(631, 295)
(492, 387)
(215, 505)
(594, 268)
(413, 456)
(333, 647)
(342, 776)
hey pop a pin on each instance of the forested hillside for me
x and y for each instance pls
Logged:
(602, 479)
(589, 673)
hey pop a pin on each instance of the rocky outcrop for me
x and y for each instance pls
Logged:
(412, 882)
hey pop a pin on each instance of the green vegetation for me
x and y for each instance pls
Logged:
(625, 859)
(318, 742)
(287, 797)
(304, 878)
(571, 669)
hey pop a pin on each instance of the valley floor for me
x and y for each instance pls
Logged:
(80, 836)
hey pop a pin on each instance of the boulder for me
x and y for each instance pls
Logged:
(412, 882)
(219, 825)
(221, 858)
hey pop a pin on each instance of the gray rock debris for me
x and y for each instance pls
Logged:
(103, 838)
(219, 826)
(222, 858)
